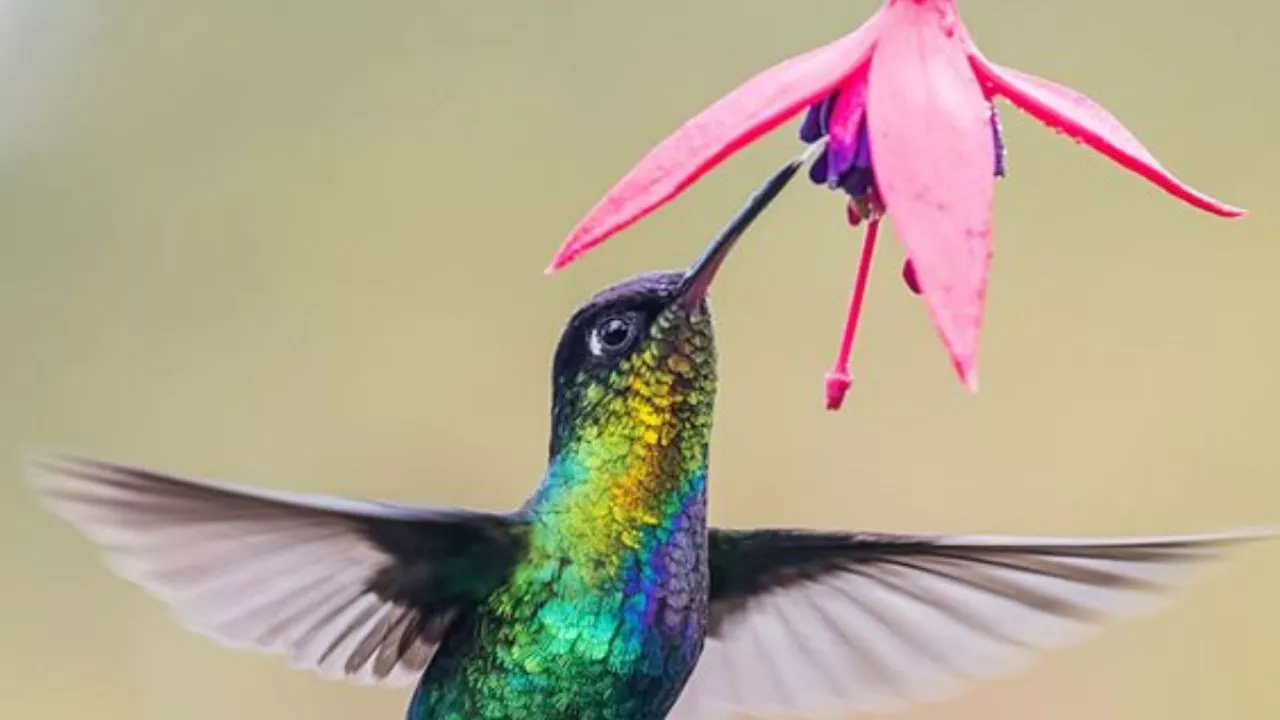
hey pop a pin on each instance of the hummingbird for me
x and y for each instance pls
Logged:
(606, 595)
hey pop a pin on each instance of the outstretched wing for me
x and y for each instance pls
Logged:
(351, 589)
(806, 623)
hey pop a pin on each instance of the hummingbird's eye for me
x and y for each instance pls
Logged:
(612, 334)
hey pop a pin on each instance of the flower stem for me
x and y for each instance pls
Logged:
(838, 380)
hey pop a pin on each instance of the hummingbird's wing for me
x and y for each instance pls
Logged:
(351, 589)
(808, 623)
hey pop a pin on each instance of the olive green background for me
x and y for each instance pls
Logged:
(300, 244)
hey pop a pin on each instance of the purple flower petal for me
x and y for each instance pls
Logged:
(814, 126)
(818, 170)
(862, 159)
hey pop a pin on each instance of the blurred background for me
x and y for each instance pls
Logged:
(300, 245)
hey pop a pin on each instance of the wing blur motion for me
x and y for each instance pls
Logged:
(350, 589)
(809, 624)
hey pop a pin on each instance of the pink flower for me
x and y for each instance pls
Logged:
(904, 104)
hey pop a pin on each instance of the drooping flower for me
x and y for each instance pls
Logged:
(905, 107)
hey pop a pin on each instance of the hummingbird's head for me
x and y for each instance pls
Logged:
(634, 377)
(637, 362)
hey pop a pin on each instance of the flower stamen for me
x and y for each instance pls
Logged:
(838, 380)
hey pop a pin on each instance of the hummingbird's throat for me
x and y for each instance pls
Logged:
(635, 459)
(619, 494)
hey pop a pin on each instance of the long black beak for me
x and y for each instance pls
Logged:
(697, 280)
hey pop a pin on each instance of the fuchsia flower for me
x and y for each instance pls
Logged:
(904, 105)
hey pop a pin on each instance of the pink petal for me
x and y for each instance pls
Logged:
(735, 120)
(930, 131)
(1074, 114)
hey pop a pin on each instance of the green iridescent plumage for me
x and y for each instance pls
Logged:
(605, 614)
(606, 597)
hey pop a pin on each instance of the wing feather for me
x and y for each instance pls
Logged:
(823, 624)
(350, 589)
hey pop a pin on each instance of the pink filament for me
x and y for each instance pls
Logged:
(838, 381)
